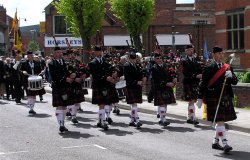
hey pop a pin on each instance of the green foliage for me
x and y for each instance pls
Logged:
(246, 78)
(235, 101)
(135, 14)
(33, 46)
(239, 75)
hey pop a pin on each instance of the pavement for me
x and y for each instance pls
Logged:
(179, 110)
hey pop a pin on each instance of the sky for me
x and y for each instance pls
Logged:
(32, 10)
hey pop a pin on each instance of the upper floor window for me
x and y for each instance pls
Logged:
(235, 31)
(60, 26)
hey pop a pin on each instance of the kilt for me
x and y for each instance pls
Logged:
(133, 94)
(101, 96)
(226, 110)
(114, 94)
(35, 92)
(190, 91)
(164, 96)
(57, 99)
(75, 92)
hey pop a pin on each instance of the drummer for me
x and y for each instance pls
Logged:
(31, 68)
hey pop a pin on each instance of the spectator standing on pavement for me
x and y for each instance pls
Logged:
(164, 81)
(2, 78)
(216, 74)
(191, 81)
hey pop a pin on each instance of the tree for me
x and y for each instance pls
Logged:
(136, 16)
(84, 18)
(33, 46)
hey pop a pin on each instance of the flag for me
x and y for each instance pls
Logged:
(17, 34)
(205, 51)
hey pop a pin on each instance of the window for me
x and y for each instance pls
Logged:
(60, 26)
(235, 31)
(200, 22)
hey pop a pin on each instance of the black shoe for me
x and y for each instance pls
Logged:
(132, 124)
(109, 120)
(138, 124)
(227, 148)
(217, 146)
(68, 114)
(118, 111)
(102, 125)
(195, 122)
(63, 129)
(74, 120)
(158, 115)
(190, 121)
(32, 111)
(18, 102)
(165, 123)
(115, 111)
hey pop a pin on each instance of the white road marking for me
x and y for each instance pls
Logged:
(99, 146)
(95, 145)
(2, 153)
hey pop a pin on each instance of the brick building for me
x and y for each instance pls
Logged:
(5, 26)
(233, 29)
(171, 21)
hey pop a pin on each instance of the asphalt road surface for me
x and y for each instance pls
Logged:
(25, 137)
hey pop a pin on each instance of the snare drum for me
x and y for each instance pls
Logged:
(120, 86)
(35, 83)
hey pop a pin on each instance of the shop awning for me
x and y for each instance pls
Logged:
(167, 39)
(117, 40)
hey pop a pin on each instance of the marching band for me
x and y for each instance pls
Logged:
(120, 77)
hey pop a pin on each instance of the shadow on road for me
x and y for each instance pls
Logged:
(116, 132)
(82, 119)
(87, 112)
(150, 130)
(39, 115)
(82, 125)
(75, 135)
(176, 121)
(179, 129)
(235, 155)
(3, 103)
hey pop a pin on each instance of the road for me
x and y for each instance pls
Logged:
(25, 137)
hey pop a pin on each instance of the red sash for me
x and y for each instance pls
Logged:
(218, 74)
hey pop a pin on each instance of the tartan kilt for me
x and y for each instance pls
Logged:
(226, 110)
(133, 94)
(164, 96)
(57, 99)
(99, 98)
(114, 94)
(76, 93)
(35, 92)
(190, 91)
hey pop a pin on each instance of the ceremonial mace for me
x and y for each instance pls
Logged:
(222, 90)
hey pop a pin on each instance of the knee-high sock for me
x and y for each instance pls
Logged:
(107, 110)
(158, 110)
(162, 113)
(134, 114)
(73, 110)
(60, 115)
(221, 131)
(191, 112)
(101, 115)
(31, 102)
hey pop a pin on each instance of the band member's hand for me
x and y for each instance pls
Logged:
(144, 80)
(228, 74)
(83, 76)
(139, 83)
(170, 84)
(114, 74)
(199, 103)
(78, 80)
(73, 75)
(25, 73)
(122, 78)
(69, 80)
(199, 76)
(175, 80)
(110, 79)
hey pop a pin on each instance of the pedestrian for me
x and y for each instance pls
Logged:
(191, 79)
(163, 80)
(59, 73)
(217, 74)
